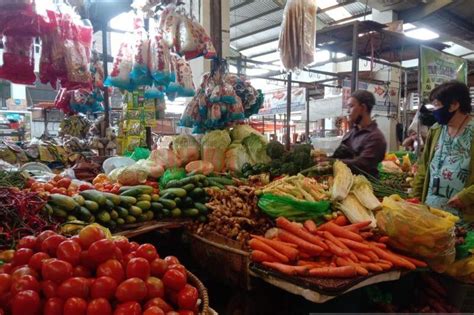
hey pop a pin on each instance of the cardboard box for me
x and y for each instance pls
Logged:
(16, 104)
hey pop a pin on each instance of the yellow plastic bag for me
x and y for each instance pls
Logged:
(419, 231)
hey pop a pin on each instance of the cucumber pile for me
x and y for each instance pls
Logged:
(134, 204)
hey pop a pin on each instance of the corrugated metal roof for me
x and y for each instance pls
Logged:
(255, 25)
(257, 38)
(251, 10)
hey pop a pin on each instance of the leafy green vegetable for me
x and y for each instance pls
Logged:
(213, 147)
(170, 174)
(276, 206)
(275, 150)
(186, 148)
(256, 148)
(236, 157)
(240, 132)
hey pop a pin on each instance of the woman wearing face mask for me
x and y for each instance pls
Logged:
(445, 177)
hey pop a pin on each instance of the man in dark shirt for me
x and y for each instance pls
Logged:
(364, 146)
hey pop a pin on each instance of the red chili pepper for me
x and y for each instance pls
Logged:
(85, 187)
(414, 200)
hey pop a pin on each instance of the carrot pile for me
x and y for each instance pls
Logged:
(335, 249)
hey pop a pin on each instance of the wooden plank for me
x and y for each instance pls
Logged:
(139, 229)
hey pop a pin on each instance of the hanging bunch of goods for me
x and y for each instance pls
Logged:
(108, 143)
(222, 101)
(298, 30)
(95, 273)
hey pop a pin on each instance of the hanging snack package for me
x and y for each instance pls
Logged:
(298, 30)
(18, 60)
(146, 7)
(19, 18)
(141, 50)
(184, 85)
(193, 40)
(78, 55)
(62, 101)
(160, 60)
(169, 23)
(120, 75)
(47, 74)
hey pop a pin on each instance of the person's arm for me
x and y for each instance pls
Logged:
(371, 154)
(419, 180)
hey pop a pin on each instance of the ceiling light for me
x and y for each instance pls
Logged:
(123, 22)
(338, 14)
(408, 26)
(323, 4)
(422, 34)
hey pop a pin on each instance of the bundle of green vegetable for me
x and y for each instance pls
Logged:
(12, 179)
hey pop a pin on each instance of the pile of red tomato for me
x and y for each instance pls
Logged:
(88, 274)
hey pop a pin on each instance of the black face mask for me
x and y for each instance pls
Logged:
(426, 117)
(358, 120)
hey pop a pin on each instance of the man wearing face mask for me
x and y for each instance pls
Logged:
(363, 147)
(445, 177)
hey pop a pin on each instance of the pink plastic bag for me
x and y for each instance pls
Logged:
(18, 60)
(193, 40)
(159, 61)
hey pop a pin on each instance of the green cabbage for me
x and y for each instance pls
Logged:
(240, 132)
(256, 148)
(213, 147)
(235, 157)
(186, 148)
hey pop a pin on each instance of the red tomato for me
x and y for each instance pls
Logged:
(5, 283)
(111, 268)
(172, 296)
(172, 313)
(160, 303)
(129, 257)
(171, 260)
(50, 245)
(174, 279)
(128, 308)
(22, 271)
(49, 288)
(102, 250)
(123, 244)
(56, 270)
(25, 282)
(6, 268)
(187, 297)
(36, 261)
(81, 271)
(74, 287)
(133, 289)
(89, 235)
(138, 268)
(69, 251)
(99, 307)
(27, 242)
(22, 256)
(76, 239)
(155, 288)
(26, 302)
(53, 306)
(75, 306)
(178, 267)
(103, 287)
(147, 251)
(86, 261)
(6, 301)
(65, 182)
(134, 246)
(83, 187)
(41, 237)
(158, 267)
(154, 310)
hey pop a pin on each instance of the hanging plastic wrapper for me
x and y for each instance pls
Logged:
(419, 230)
(18, 60)
(160, 60)
(19, 18)
(63, 100)
(146, 6)
(141, 50)
(298, 34)
(184, 85)
(169, 23)
(85, 101)
(193, 40)
(120, 75)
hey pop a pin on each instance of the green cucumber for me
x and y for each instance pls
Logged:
(133, 192)
(144, 189)
(92, 206)
(144, 198)
(79, 200)
(197, 193)
(155, 197)
(130, 219)
(84, 214)
(127, 200)
(188, 187)
(65, 202)
(114, 215)
(112, 197)
(213, 183)
(201, 207)
(60, 213)
(173, 184)
(178, 192)
(135, 211)
(176, 212)
(191, 212)
(120, 221)
(109, 205)
(222, 180)
(144, 205)
(94, 195)
(149, 215)
(156, 206)
(103, 217)
(122, 212)
(167, 203)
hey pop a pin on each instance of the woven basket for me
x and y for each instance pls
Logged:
(204, 308)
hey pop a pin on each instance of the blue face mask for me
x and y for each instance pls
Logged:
(442, 115)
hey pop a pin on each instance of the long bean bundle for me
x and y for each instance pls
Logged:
(12, 179)
(381, 188)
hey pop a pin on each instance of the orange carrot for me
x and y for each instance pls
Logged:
(312, 264)
(293, 228)
(384, 239)
(414, 261)
(385, 262)
(384, 266)
(380, 245)
(373, 256)
(334, 272)
(259, 256)
(310, 226)
(285, 243)
(354, 245)
(358, 226)
(302, 244)
(325, 253)
(290, 252)
(362, 257)
(305, 255)
(287, 269)
(341, 220)
(372, 267)
(393, 258)
(339, 231)
(336, 250)
(344, 262)
(259, 245)
(332, 238)
(366, 235)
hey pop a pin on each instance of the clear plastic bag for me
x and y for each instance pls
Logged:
(184, 85)
(141, 53)
(18, 60)
(298, 30)
(193, 40)
(78, 56)
(159, 60)
(120, 75)
(169, 23)
(276, 206)
(420, 231)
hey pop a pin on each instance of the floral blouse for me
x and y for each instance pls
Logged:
(451, 165)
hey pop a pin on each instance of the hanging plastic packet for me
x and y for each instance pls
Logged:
(97, 71)
(141, 50)
(184, 85)
(146, 6)
(160, 60)
(154, 92)
(169, 24)
(19, 18)
(193, 40)
(18, 60)
(120, 75)
(62, 101)
(47, 75)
